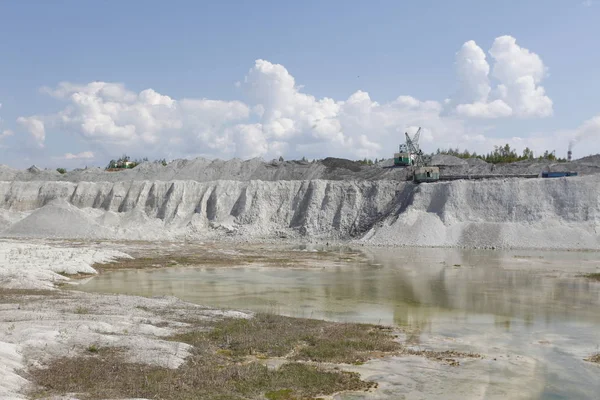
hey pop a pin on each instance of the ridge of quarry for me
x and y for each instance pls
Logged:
(332, 199)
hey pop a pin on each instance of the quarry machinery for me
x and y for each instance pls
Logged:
(422, 171)
(403, 158)
(406, 155)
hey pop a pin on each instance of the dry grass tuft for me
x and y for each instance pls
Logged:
(595, 358)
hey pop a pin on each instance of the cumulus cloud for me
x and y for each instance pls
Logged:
(518, 72)
(472, 70)
(35, 126)
(357, 126)
(111, 115)
(85, 155)
(279, 118)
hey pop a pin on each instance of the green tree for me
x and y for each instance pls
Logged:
(528, 154)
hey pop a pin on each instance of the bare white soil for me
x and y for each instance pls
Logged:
(35, 328)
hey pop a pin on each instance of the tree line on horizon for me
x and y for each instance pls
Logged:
(502, 154)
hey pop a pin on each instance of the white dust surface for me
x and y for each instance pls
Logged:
(37, 266)
(42, 326)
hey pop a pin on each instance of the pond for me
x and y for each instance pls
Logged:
(525, 303)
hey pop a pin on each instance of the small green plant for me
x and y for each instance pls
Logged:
(92, 348)
(283, 394)
(82, 310)
(61, 170)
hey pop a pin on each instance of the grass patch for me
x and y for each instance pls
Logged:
(82, 310)
(595, 358)
(593, 276)
(93, 348)
(211, 256)
(15, 295)
(298, 339)
(283, 394)
(28, 292)
(203, 376)
(226, 363)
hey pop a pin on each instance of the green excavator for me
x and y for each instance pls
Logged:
(410, 155)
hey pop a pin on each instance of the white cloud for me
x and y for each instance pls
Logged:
(6, 133)
(35, 126)
(279, 118)
(587, 3)
(519, 73)
(85, 155)
(472, 70)
(115, 117)
(494, 109)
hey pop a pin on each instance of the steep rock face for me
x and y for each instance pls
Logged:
(530, 213)
(535, 213)
(254, 208)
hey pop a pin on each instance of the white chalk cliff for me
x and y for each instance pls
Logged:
(526, 213)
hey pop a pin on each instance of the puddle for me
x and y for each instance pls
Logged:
(528, 310)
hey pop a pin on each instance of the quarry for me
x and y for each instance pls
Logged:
(326, 200)
(474, 286)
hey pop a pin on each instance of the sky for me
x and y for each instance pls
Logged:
(85, 82)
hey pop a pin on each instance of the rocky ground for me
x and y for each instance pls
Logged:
(204, 170)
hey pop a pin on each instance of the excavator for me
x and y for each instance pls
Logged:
(410, 155)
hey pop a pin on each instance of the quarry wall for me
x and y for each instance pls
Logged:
(526, 213)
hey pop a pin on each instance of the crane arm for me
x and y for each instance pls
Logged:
(417, 137)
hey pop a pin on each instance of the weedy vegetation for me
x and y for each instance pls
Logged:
(228, 362)
(592, 276)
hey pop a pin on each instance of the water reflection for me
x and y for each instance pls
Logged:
(407, 287)
(526, 303)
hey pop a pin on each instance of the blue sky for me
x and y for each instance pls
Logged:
(330, 49)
